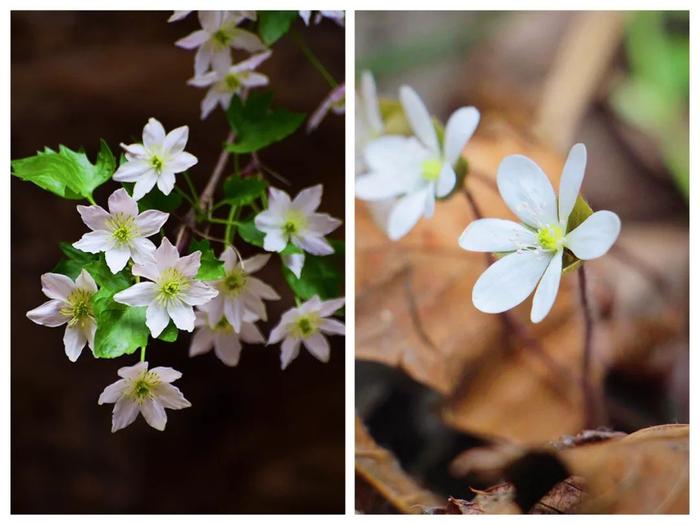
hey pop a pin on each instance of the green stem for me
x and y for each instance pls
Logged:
(214, 220)
(186, 197)
(91, 200)
(230, 226)
(236, 165)
(313, 60)
(143, 353)
(190, 185)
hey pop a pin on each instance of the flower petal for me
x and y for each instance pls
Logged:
(182, 315)
(251, 334)
(166, 255)
(312, 243)
(278, 332)
(202, 341)
(594, 236)
(95, 242)
(419, 118)
(527, 191)
(279, 201)
(166, 182)
(56, 286)
(124, 413)
(230, 258)
(171, 397)
(308, 199)
(132, 372)
(318, 346)
(117, 257)
(48, 314)
(150, 222)
(330, 306)
(121, 202)
(145, 184)
(74, 341)
(295, 263)
(112, 393)
(275, 241)
(199, 294)
(189, 264)
(371, 102)
(193, 40)
(571, 179)
(142, 251)
(547, 290)
(94, 217)
(166, 373)
(227, 348)
(496, 235)
(153, 134)
(332, 326)
(290, 351)
(140, 294)
(233, 310)
(157, 318)
(262, 289)
(322, 223)
(507, 282)
(459, 129)
(405, 214)
(247, 41)
(85, 281)
(132, 171)
(255, 263)
(182, 162)
(146, 268)
(446, 181)
(154, 413)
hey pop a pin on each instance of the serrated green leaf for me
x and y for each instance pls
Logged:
(257, 125)
(156, 200)
(322, 276)
(211, 268)
(239, 191)
(250, 234)
(66, 173)
(169, 335)
(73, 260)
(273, 25)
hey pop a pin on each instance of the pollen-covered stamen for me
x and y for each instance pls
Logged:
(142, 387)
(305, 326)
(221, 37)
(223, 326)
(78, 307)
(430, 169)
(235, 281)
(232, 82)
(294, 222)
(171, 285)
(550, 237)
(157, 163)
(123, 228)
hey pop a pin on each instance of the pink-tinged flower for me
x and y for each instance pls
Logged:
(157, 160)
(335, 101)
(173, 290)
(239, 291)
(227, 81)
(146, 391)
(307, 324)
(178, 15)
(122, 232)
(337, 16)
(218, 35)
(222, 337)
(70, 303)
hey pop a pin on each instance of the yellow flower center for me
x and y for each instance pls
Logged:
(550, 237)
(431, 169)
(78, 307)
(235, 281)
(232, 82)
(294, 222)
(143, 386)
(221, 37)
(123, 228)
(305, 326)
(157, 163)
(171, 285)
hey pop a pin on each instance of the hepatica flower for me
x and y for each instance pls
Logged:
(222, 337)
(368, 117)
(415, 169)
(157, 160)
(70, 304)
(306, 324)
(172, 290)
(335, 101)
(230, 80)
(220, 33)
(239, 291)
(146, 391)
(537, 246)
(120, 233)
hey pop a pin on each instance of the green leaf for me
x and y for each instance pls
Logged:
(580, 213)
(322, 276)
(239, 191)
(211, 268)
(156, 200)
(73, 261)
(257, 125)
(250, 234)
(66, 173)
(169, 335)
(273, 25)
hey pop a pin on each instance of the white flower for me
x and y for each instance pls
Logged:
(222, 337)
(120, 233)
(146, 391)
(416, 169)
(337, 16)
(218, 35)
(225, 82)
(307, 324)
(335, 101)
(157, 160)
(239, 292)
(71, 303)
(178, 15)
(368, 118)
(173, 290)
(538, 245)
(295, 221)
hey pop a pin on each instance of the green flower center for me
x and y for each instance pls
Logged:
(294, 222)
(235, 281)
(223, 326)
(221, 37)
(171, 285)
(143, 386)
(305, 326)
(123, 228)
(431, 169)
(78, 307)
(232, 82)
(550, 237)
(157, 163)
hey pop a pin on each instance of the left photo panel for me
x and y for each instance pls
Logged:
(178, 255)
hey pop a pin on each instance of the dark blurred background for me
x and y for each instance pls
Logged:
(256, 439)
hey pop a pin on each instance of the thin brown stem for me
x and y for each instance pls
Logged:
(589, 401)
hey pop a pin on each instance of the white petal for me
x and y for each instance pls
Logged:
(117, 257)
(208, 103)
(255, 263)
(459, 129)
(124, 413)
(153, 134)
(251, 334)
(571, 179)
(48, 314)
(182, 315)
(166, 182)
(94, 217)
(112, 393)
(251, 63)
(89, 331)
(405, 214)
(214, 309)
(189, 264)
(167, 255)
(278, 332)
(290, 351)
(275, 241)
(132, 372)
(145, 184)
(230, 258)
(378, 186)
(507, 282)
(262, 290)
(199, 293)
(247, 41)
(202, 341)
(151, 221)
(145, 268)
(279, 201)
(429, 205)
(547, 290)
(295, 263)
(140, 294)
(233, 310)
(74, 341)
(95, 242)
(227, 348)
(178, 15)
(171, 397)
(496, 235)
(166, 374)
(181, 162)
(332, 326)
(132, 171)
(193, 40)
(308, 200)
(446, 181)
(329, 307)
(121, 202)
(371, 102)
(156, 318)
(86, 282)
(527, 191)
(312, 244)
(419, 118)
(267, 221)
(154, 413)
(594, 236)
(56, 286)
(317, 345)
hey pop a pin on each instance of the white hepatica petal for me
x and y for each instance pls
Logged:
(419, 118)
(571, 180)
(406, 213)
(459, 129)
(496, 235)
(594, 236)
(446, 181)
(527, 191)
(509, 281)
(370, 104)
(547, 290)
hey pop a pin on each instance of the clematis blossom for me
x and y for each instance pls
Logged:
(70, 304)
(144, 391)
(535, 247)
(416, 170)
(171, 291)
(335, 101)
(307, 324)
(337, 16)
(156, 160)
(222, 337)
(121, 233)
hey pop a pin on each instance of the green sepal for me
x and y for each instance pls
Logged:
(580, 213)
(273, 25)
(322, 276)
(210, 268)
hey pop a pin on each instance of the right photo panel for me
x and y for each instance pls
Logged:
(522, 262)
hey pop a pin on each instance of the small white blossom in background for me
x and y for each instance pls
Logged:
(222, 337)
(178, 15)
(416, 170)
(173, 290)
(239, 291)
(157, 160)
(220, 33)
(368, 118)
(70, 303)
(536, 246)
(296, 221)
(335, 101)
(146, 391)
(228, 81)
(120, 233)
(306, 324)
(337, 16)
